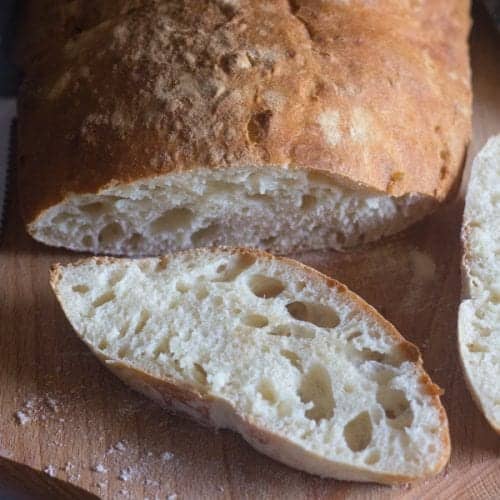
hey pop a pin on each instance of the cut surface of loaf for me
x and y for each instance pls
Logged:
(148, 126)
(479, 314)
(301, 367)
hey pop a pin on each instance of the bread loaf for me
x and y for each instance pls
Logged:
(479, 314)
(286, 125)
(301, 367)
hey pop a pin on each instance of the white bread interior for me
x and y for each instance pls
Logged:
(279, 209)
(479, 315)
(300, 366)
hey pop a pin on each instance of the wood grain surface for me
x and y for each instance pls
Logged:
(62, 413)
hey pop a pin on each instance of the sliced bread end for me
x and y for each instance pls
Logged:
(479, 314)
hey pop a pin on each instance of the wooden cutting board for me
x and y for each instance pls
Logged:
(62, 413)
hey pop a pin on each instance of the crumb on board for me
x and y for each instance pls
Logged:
(119, 446)
(167, 456)
(99, 468)
(22, 418)
(50, 470)
(126, 474)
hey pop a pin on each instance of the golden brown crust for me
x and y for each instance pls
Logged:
(375, 94)
(187, 400)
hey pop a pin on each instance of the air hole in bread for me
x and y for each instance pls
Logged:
(259, 197)
(178, 367)
(477, 348)
(95, 209)
(358, 432)
(103, 344)
(293, 358)
(255, 320)
(258, 126)
(204, 234)
(143, 319)
(265, 287)
(317, 314)
(281, 331)
(348, 389)
(316, 388)
(174, 219)
(87, 241)
(110, 234)
(354, 335)
(162, 348)
(370, 355)
(267, 391)
(308, 202)
(62, 218)
(182, 287)
(134, 241)
(268, 242)
(219, 187)
(201, 292)
(382, 374)
(124, 329)
(372, 458)
(123, 352)
(298, 331)
(81, 289)
(116, 277)
(104, 299)
(234, 267)
(396, 407)
(285, 409)
(199, 374)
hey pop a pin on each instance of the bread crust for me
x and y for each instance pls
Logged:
(374, 94)
(215, 412)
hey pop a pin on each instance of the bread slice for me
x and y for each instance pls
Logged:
(479, 314)
(301, 367)
(280, 125)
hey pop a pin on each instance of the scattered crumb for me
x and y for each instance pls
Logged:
(125, 474)
(120, 446)
(35, 409)
(22, 418)
(51, 403)
(102, 484)
(99, 468)
(51, 470)
(68, 467)
(172, 496)
(124, 493)
(167, 456)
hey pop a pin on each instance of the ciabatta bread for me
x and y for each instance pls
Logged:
(282, 125)
(301, 367)
(479, 314)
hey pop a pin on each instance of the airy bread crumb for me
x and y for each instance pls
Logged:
(479, 314)
(305, 370)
